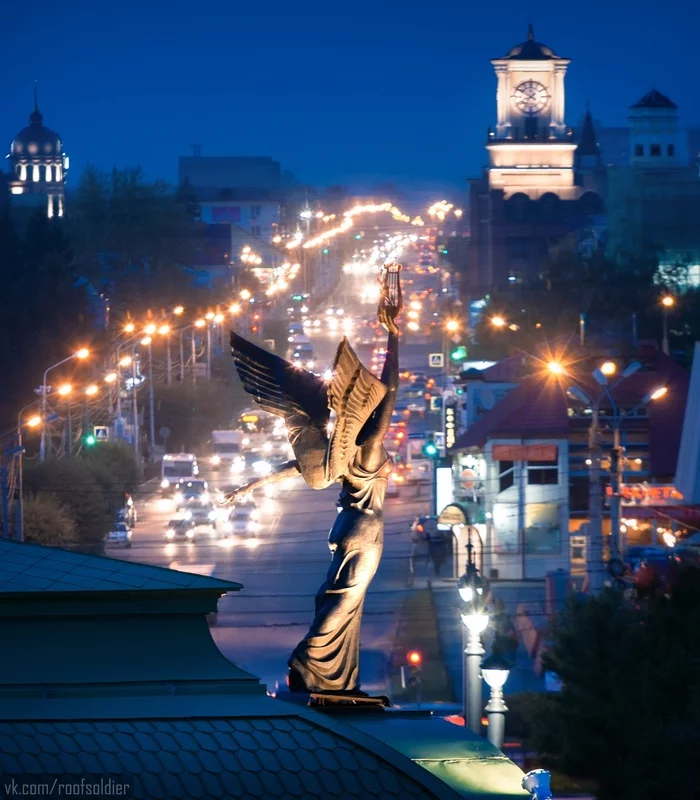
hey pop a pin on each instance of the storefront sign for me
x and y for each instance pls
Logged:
(648, 494)
(450, 425)
(524, 452)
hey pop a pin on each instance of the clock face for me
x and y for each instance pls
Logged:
(530, 97)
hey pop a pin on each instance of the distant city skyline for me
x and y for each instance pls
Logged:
(385, 93)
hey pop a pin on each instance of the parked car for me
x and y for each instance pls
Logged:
(119, 535)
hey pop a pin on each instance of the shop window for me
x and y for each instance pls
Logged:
(542, 473)
(655, 150)
(506, 475)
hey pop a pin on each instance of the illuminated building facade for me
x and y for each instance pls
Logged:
(38, 166)
(539, 185)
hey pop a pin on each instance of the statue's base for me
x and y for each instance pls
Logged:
(347, 702)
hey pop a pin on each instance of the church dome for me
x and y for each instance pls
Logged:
(530, 50)
(36, 140)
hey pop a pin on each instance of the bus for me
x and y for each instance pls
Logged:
(175, 467)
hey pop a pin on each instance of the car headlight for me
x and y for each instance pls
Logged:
(267, 447)
(262, 467)
(238, 466)
(190, 534)
(310, 364)
(216, 460)
(188, 515)
(253, 526)
(164, 483)
(170, 534)
(245, 442)
(179, 497)
(204, 498)
(212, 515)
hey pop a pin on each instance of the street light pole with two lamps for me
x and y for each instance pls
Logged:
(81, 354)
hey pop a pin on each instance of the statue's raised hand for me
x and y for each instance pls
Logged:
(390, 301)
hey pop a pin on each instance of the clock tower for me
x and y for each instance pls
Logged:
(531, 150)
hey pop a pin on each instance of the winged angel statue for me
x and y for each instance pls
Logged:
(336, 429)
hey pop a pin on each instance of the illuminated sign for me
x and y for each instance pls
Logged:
(249, 418)
(648, 494)
(450, 426)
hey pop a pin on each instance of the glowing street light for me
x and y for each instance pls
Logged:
(150, 329)
(164, 330)
(33, 422)
(200, 323)
(91, 390)
(218, 318)
(82, 353)
(452, 326)
(234, 308)
(498, 322)
(245, 294)
(125, 361)
(668, 301)
(129, 327)
(179, 311)
(146, 340)
(110, 377)
(65, 389)
(657, 393)
(209, 315)
(555, 368)
(608, 368)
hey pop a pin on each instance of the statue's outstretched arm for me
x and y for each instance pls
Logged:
(289, 469)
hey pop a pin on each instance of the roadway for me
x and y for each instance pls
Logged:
(282, 568)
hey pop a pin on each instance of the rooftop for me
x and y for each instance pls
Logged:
(654, 99)
(530, 50)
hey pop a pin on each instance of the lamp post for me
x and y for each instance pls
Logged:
(65, 391)
(495, 670)
(197, 325)
(667, 303)
(32, 422)
(82, 353)
(135, 402)
(472, 591)
(147, 341)
(164, 330)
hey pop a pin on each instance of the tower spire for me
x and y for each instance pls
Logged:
(36, 118)
(530, 33)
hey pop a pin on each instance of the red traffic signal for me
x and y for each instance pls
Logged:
(414, 658)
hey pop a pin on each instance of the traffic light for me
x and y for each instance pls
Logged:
(297, 297)
(325, 251)
(411, 674)
(430, 449)
(414, 658)
(445, 251)
(460, 390)
(90, 440)
(459, 353)
(358, 235)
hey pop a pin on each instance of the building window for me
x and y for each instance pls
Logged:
(506, 475)
(58, 172)
(671, 150)
(35, 173)
(254, 212)
(542, 473)
(255, 230)
(655, 150)
(48, 173)
(639, 150)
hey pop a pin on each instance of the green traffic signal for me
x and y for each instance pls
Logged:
(445, 252)
(430, 449)
(358, 235)
(459, 353)
(325, 251)
(90, 440)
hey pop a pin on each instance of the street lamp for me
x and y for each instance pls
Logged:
(179, 311)
(667, 303)
(495, 670)
(498, 322)
(150, 329)
(80, 354)
(475, 620)
(555, 367)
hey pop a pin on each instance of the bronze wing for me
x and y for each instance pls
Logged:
(279, 387)
(353, 394)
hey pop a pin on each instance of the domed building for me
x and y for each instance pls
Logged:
(39, 165)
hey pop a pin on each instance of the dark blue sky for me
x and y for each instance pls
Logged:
(338, 92)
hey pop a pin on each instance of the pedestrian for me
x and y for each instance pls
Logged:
(438, 551)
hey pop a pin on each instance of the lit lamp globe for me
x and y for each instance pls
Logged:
(495, 669)
(476, 621)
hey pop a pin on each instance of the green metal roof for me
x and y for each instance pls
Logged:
(35, 568)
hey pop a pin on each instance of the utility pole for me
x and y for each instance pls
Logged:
(615, 462)
(168, 367)
(594, 551)
(151, 411)
(135, 403)
(208, 351)
(194, 358)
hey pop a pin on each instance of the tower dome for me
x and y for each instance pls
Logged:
(36, 141)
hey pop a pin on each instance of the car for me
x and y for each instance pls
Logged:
(120, 534)
(191, 492)
(243, 520)
(202, 517)
(180, 529)
(296, 329)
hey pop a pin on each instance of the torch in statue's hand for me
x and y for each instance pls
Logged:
(390, 301)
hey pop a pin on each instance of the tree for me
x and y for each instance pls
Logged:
(115, 468)
(628, 715)
(47, 521)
